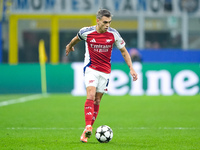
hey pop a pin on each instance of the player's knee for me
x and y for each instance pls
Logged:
(97, 101)
(91, 92)
(98, 98)
(91, 96)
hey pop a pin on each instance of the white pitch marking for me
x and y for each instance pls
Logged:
(22, 99)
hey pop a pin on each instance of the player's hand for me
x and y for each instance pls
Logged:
(133, 74)
(69, 49)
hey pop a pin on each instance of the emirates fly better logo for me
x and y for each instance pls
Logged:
(100, 48)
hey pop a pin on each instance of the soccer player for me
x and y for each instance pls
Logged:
(99, 40)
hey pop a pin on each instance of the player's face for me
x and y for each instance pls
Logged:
(104, 24)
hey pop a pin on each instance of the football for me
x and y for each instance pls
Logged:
(104, 134)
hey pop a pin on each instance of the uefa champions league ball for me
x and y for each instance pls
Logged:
(104, 134)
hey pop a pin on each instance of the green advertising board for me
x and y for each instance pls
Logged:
(26, 78)
(154, 79)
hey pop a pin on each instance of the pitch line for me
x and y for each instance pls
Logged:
(129, 128)
(23, 99)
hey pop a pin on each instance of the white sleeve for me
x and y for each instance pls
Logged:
(82, 33)
(119, 42)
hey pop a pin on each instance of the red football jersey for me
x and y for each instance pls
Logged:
(98, 47)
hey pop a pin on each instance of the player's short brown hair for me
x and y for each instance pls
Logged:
(103, 12)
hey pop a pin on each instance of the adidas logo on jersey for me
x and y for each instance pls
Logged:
(93, 40)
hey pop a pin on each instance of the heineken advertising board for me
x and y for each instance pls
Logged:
(153, 79)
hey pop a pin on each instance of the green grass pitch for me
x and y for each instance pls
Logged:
(56, 122)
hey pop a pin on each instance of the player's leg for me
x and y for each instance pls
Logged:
(91, 82)
(97, 101)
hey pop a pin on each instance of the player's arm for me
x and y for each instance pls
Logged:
(128, 61)
(70, 46)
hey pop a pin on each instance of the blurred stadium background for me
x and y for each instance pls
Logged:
(162, 36)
